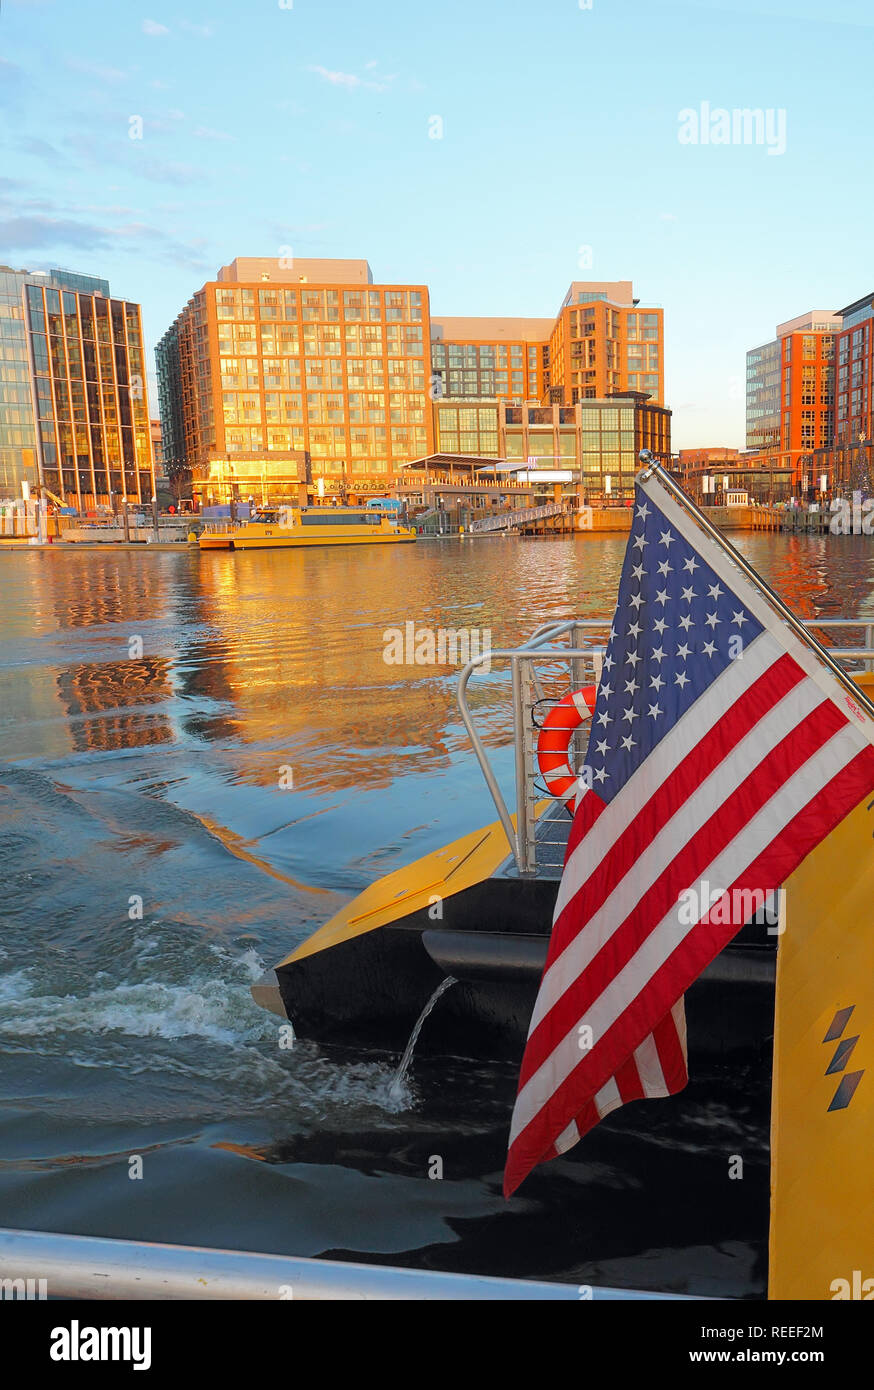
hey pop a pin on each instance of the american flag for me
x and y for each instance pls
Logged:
(721, 751)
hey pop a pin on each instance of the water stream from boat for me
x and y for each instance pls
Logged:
(396, 1088)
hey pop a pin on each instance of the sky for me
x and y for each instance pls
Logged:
(492, 150)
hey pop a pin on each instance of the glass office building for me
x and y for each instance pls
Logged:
(791, 393)
(74, 417)
(763, 396)
(18, 447)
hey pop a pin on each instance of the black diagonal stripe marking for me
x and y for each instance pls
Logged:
(838, 1024)
(842, 1055)
(844, 1094)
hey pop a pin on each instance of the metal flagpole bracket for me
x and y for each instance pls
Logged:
(652, 468)
(650, 464)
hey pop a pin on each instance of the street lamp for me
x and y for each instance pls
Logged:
(804, 462)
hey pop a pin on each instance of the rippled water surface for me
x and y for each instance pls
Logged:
(155, 780)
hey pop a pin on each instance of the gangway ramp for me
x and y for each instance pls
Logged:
(519, 516)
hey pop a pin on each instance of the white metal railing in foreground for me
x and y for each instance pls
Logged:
(91, 1267)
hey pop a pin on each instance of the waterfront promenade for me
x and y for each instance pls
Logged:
(69, 532)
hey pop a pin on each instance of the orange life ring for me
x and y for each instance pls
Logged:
(555, 738)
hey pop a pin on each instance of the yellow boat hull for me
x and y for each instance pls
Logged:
(293, 539)
(273, 536)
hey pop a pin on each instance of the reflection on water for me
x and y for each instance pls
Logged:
(256, 765)
(274, 653)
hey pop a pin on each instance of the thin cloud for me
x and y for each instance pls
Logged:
(29, 234)
(167, 121)
(133, 156)
(42, 149)
(203, 31)
(108, 211)
(167, 171)
(97, 70)
(350, 80)
(28, 206)
(11, 84)
(205, 132)
(337, 79)
(33, 233)
(154, 31)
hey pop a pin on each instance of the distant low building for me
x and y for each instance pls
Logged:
(596, 442)
(589, 449)
(709, 475)
(690, 459)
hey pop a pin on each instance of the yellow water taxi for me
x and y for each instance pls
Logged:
(278, 527)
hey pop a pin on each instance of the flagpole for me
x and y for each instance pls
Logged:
(652, 468)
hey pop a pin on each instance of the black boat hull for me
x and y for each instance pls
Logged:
(370, 989)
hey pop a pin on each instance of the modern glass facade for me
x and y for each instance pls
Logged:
(468, 427)
(608, 447)
(473, 369)
(791, 394)
(763, 396)
(596, 440)
(18, 448)
(73, 378)
(260, 375)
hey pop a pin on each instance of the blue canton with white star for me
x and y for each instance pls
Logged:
(671, 639)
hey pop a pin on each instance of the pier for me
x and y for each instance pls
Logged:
(566, 518)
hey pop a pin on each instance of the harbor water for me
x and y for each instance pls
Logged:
(202, 756)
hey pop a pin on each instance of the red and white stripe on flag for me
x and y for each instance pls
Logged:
(747, 780)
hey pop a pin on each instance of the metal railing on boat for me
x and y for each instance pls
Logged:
(567, 655)
(43, 1264)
